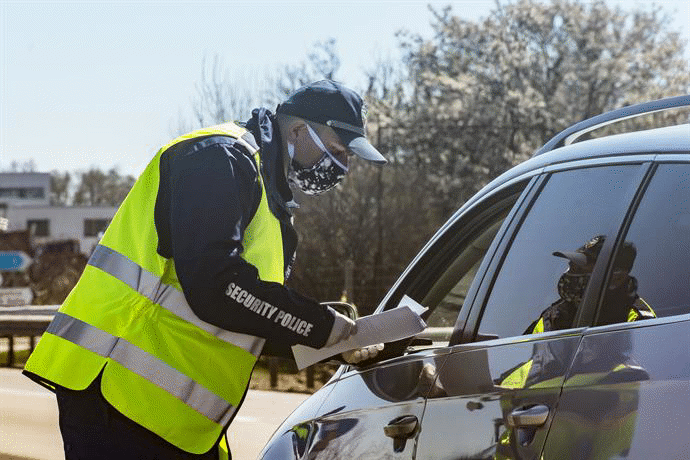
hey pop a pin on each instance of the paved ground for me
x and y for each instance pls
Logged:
(29, 428)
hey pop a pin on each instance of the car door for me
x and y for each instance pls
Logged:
(628, 392)
(496, 393)
(376, 411)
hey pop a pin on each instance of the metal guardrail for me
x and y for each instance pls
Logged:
(25, 321)
(32, 320)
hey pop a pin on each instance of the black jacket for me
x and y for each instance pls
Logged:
(208, 193)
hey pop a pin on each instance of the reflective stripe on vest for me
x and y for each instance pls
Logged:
(151, 287)
(127, 318)
(143, 364)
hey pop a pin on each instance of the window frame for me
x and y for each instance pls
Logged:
(93, 221)
(599, 295)
(594, 292)
(453, 236)
(36, 223)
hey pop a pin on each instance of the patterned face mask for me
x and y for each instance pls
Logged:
(325, 174)
(571, 287)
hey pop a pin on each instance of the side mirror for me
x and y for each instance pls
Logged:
(344, 309)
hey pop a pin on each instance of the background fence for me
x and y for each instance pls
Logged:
(20, 327)
(27, 321)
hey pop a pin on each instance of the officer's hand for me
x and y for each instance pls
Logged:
(343, 328)
(362, 354)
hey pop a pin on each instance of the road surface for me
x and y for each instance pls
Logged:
(29, 424)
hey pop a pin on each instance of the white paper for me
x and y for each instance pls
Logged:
(388, 326)
(416, 307)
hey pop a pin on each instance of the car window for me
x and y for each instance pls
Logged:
(447, 293)
(450, 266)
(650, 276)
(540, 284)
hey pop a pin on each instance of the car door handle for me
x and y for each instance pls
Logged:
(401, 427)
(528, 416)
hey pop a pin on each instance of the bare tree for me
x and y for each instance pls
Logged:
(222, 96)
(98, 188)
(322, 62)
(22, 166)
(59, 188)
(218, 98)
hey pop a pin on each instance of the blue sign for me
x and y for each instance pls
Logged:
(14, 261)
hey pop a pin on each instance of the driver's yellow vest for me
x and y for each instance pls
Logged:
(163, 367)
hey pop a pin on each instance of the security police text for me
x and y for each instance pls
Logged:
(268, 311)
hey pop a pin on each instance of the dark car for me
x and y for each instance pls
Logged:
(559, 318)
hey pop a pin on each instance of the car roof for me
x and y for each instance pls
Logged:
(667, 140)
(661, 140)
(574, 132)
(671, 139)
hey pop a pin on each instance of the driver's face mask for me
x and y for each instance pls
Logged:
(325, 174)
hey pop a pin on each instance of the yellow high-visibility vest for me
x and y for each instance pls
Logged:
(163, 367)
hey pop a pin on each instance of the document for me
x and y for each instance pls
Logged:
(399, 323)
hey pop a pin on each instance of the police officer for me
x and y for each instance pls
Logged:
(151, 353)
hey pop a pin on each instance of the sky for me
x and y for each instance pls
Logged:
(104, 83)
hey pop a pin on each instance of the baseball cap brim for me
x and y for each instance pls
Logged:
(360, 146)
(577, 258)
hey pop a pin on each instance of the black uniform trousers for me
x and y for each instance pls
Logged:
(92, 429)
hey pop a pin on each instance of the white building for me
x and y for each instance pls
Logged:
(25, 204)
(22, 189)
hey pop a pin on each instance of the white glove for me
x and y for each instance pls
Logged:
(343, 328)
(362, 354)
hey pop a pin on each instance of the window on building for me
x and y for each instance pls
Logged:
(31, 193)
(92, 227)
(38, 227)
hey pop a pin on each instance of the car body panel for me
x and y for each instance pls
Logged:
(350, 422)
(476, 390)
(364, 402)
(290, 438)
(627, 394)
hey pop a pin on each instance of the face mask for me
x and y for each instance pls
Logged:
(571, 287)
(325, 174)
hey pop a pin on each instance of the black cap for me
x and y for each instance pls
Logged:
(588, 253)
(585, 254)
(332, 104)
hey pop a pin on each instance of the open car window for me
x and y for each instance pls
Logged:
(447, 294)
(444, 275)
